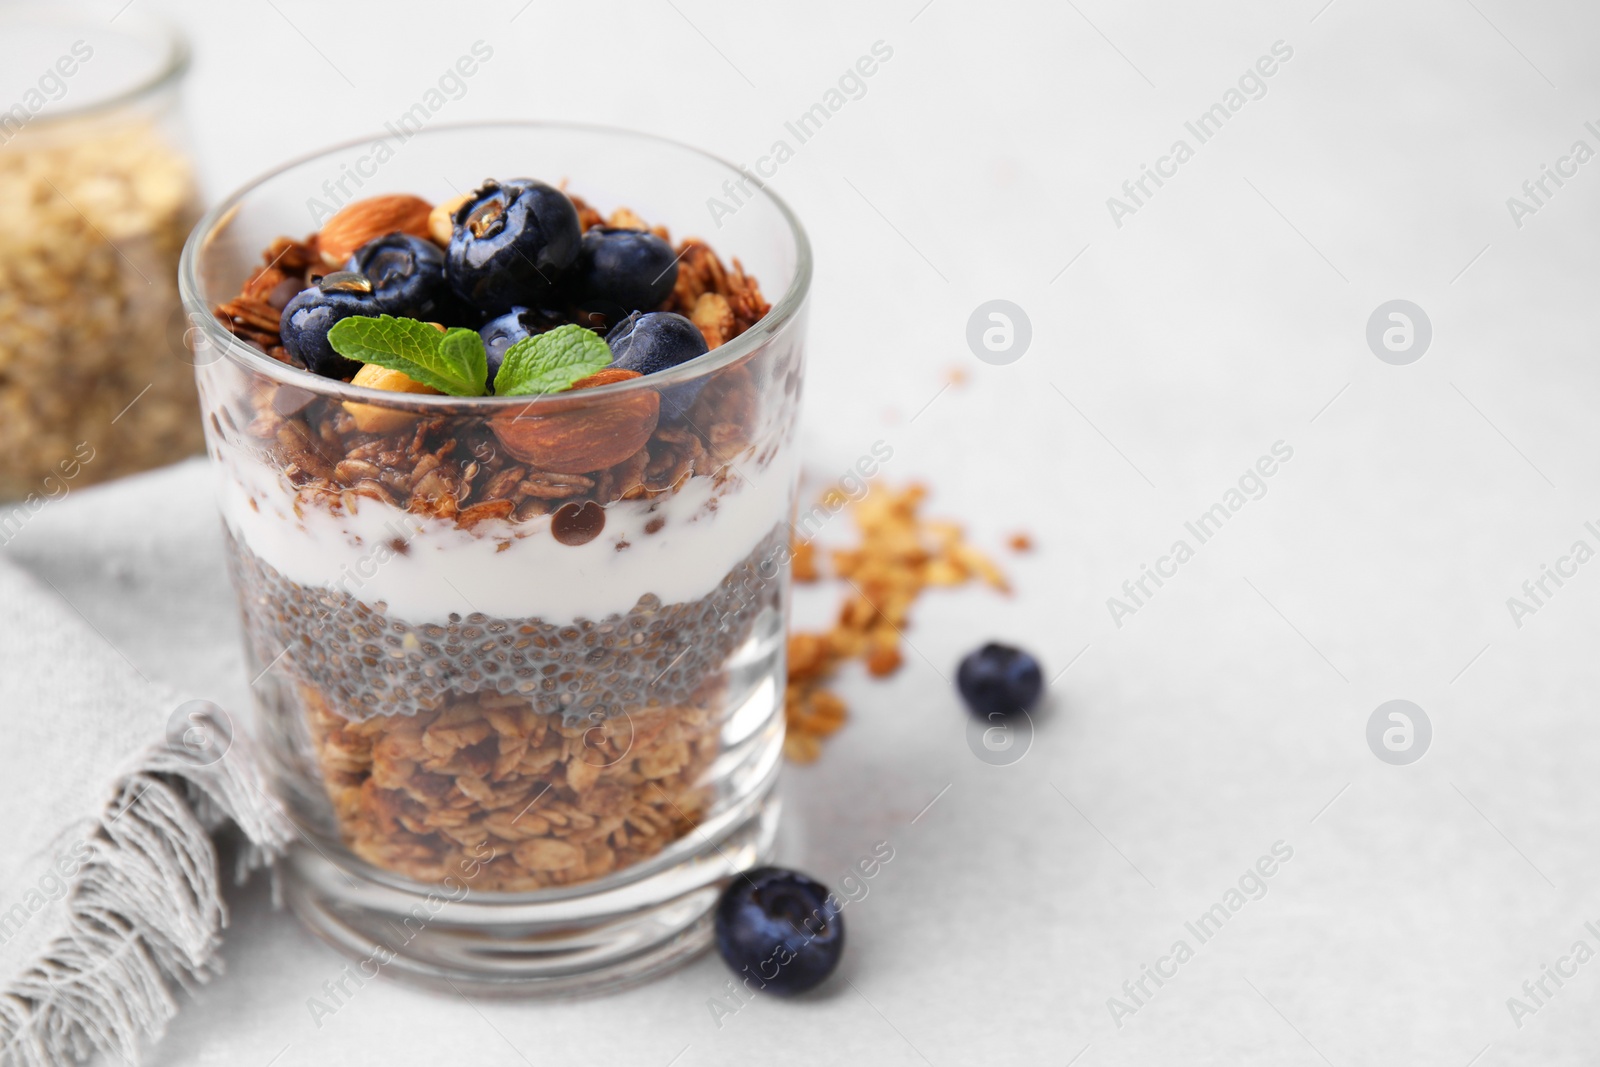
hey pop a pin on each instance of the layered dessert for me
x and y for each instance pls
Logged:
(512, 571)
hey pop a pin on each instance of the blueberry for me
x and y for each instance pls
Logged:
(999, 680)
(620, 271)
(780, 928)
(503, 331)
(512, 244)
(406, 272)
(654, 342)
(307, 319)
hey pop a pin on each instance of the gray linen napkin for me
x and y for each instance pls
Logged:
(111, 785)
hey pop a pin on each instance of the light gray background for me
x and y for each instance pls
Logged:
(1227, 314)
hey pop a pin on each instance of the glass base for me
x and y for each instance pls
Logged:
(588, 939)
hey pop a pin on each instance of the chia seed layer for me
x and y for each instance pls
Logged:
(365, 663)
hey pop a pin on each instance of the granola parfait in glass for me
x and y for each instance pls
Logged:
(506, 469)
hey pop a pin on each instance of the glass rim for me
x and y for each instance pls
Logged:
(779, 315)
(173, 66)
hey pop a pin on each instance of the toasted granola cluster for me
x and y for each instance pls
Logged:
(92, 219)
(723, 301)
(900, 555)
(454, 468)
(457, 468)
(537, 802)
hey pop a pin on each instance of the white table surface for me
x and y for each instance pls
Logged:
(1229, 713)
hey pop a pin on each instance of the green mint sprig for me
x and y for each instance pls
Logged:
(455, 362)
(550, 362)
(452, 362)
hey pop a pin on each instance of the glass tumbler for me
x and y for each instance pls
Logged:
(518, 664)
(96, 198)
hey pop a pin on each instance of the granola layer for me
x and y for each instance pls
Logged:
(526, 799)
(455, 467)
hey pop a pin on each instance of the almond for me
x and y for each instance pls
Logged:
(609, 376)
(365, 220)
(441, 220)
(371, 418)
(585, 438)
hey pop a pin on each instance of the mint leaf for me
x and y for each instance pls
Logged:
(463, 348)
(448, 362)
(550, 362)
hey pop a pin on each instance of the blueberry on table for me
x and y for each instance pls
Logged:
(406, 272)
(503, 331)
(999, 680)
(653, 342)
(306, 320)
(780, 928)
(512, 244)
(621, 270)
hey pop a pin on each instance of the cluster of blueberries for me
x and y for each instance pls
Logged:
(518, 264)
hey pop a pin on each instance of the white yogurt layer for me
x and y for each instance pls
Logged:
(504, 569)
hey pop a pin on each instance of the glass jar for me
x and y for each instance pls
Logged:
(518, 663)
(96, 199)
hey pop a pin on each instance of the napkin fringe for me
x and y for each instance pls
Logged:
(145, 913)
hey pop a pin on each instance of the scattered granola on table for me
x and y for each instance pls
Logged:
(900, 555)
